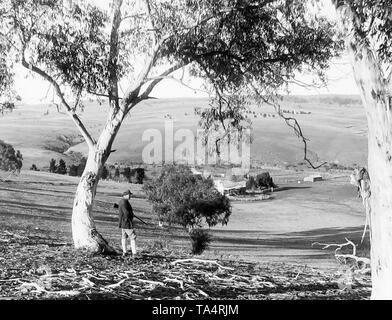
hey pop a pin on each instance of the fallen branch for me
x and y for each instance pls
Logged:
(88, 282)
(201, 261)
(360, 262)
(115, 285)
(152, 282)
(38, 288)
(180, 282)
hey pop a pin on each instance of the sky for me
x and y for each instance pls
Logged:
(339, 75)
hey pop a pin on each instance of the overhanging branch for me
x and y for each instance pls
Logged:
(294, 124)
(156, 80)
(71, 112)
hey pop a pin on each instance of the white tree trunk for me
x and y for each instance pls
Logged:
(380, 171)
(375, 98)
(84, 232)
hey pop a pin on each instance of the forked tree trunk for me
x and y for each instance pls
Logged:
(84, 231)
(377, 102)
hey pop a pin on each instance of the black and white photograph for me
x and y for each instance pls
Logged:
(196, 154)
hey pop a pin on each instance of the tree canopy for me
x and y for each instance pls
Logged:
(233, 44)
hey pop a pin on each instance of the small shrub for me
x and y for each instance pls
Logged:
(200, 240)
(52, 166)
(105, 173)
(180, 197)
(33, 167)
(251, 183)
(61, 168)
(264, 180)
(137, 175)
(126, 172)
(10, 160)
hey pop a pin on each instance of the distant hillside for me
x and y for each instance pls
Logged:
(342, 100)
(336, 128)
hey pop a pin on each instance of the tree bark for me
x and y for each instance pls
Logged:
(375, 98)
(84, 231)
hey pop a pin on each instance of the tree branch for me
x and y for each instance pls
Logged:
(131, 95)
(156, 80)
(292, 123)
(151, 21)
(113, 55)
(71, 112)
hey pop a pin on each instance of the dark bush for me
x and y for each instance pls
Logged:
(137, 175)
(127, 173)
(200, 240)
(264, 180)
(180, 197)
(105, 173)
(10, 160)
(52, 166)
(33, 167)
(62, 167)
(250, 183)
(117, 173)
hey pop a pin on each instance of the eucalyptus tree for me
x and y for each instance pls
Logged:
(81, 50)
(367, 25)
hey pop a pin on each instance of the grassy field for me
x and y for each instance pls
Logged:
(336, 129)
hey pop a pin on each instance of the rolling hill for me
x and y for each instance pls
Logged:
(335, 127)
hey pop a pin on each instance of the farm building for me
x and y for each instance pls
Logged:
(196, 172)
(230, 188)
(313, 178)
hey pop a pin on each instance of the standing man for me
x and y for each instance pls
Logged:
(125, 217)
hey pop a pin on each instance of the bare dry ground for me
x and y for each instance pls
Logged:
(267, 245)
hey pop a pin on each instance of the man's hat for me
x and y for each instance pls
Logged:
(128, 192)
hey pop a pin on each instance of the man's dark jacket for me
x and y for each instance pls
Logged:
(125, 214)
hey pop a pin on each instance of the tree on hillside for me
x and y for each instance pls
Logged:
(62, 167)
(367, 25)
(180, 197)
(52, 166)
(83, 51)
(105, 173)
(10, 160)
